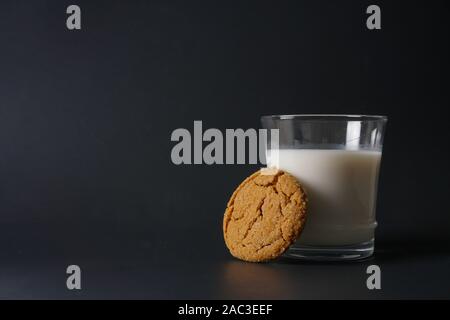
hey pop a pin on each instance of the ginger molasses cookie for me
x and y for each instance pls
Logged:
(264, 216)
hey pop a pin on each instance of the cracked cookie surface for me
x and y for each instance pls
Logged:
(264, 216)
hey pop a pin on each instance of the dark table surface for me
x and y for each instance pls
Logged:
(169, 269)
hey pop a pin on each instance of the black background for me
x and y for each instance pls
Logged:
(86, 117)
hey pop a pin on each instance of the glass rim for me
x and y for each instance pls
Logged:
(326, 117)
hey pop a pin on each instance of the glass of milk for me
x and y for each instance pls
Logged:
(336, 158)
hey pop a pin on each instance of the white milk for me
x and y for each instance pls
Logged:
(341, 186)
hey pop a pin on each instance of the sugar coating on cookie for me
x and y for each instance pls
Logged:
(264, 216)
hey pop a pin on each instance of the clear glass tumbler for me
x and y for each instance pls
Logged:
(336, 158)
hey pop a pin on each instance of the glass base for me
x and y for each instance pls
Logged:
(331, 253)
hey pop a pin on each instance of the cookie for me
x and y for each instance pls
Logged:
(264, 216)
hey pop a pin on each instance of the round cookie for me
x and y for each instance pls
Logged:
(264, 216)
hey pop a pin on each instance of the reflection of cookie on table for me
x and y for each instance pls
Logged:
(264, 216)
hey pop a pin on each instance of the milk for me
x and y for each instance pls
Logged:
(341, 187)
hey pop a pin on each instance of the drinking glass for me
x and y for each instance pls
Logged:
(336, 159)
